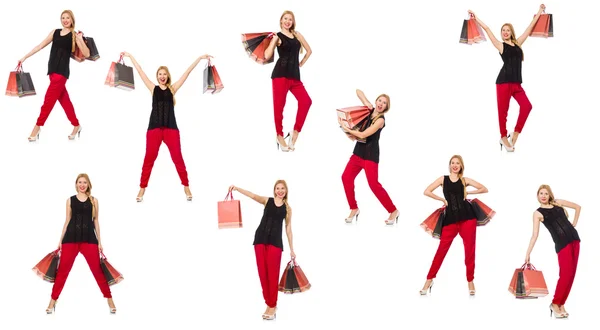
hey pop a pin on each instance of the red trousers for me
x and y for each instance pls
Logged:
(281, 86)
(355, 165)
(154, 139)
(268, 262)
(69, 252)
(503, 94)
(567, 261)
(468, 231)
(57, 91)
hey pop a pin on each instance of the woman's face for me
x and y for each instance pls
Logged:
(66, 20)
(280, 190)
(287, 21)
(381, 104)
(455, 165)
(506, 33)
(543, 196)
(82, 185)
(162, 76)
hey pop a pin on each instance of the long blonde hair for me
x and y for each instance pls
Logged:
(72, 28)
(513, 38)
(88, 191)
(461, 172)
(387, 97)
(293, 27)
(285, 198)
(551, 199)
(168, 83)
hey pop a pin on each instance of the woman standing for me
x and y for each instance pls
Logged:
(508, 83)
(566, 243)
(459, 219)
(268, 243)
(366, 156)
(163, 126)
(64, 42)
(286, 77)
(80, 234)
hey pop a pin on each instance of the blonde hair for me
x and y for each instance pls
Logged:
(72, 28)
(513, 38)
(461, 172)
(285, 198)
(88, 191)
(293, 27)
(168, 83)
(551, 199)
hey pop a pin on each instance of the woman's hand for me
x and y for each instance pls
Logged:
(445, 203)
(206, 56)
(542, 8)
(79, 36)
(527, 258)
(59, 246)
(125, 54)
(100, 247)
(232, 188)
(292, 254)
(472, 13)
(346, 129)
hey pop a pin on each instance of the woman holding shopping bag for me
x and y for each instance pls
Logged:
(64, 43)
(554, 216)
(508, 82)
(460, 219)
(81, 234)
(366, 156)
(268, 243)
(286, 77)
(163, 126)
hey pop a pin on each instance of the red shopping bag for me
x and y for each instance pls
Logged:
(543, 27)
(112, 275)
(47, 267)
(293, 279)
(527, 282)
(229, 212)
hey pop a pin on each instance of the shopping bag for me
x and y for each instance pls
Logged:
(217, 80)
(91, 45)
(229, 212)
(209, 79)
(483, 213)
(47, 267)
(542, 27)
(110, 77)
(293, 279)
(527, 282)
(255, 45)
(20, 83)
(355, 118)
(464, 36)
(550, 27)
(120, 76)
(112, 275)
(433, 224)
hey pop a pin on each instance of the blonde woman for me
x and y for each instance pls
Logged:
(508, 83)
(163, 126)
(286, 77)
(554, 216)
(81, 234)
(460, 219)
(64, 42)
(268, 243)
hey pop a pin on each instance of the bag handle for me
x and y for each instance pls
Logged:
(530, 266)
(102, 256)
(121, 60)
(19, 67)
(229, 196)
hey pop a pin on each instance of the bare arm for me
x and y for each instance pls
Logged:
(537, 218)
(306, 47)
(187, 72)
(82, 45)
(149, 84)
(39, 47)
(368, 132)
(271, 49)
(499, 45)
(64, 230)
(288, 231)
(429, 190)
(260, 199)
(527, 32)
(480, 189)
(572, 205)
(364, 99)
(96, 222)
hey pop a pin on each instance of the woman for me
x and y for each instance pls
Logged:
(459, 219)
(555, 218)
(64, 42)
(286, 77)
(163, 126)
(508, 83)
(268, 244)
(366, 156)
(81, 233)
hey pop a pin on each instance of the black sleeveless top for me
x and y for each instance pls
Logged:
(512, 56)
(81, 226)
(369, 150)
(458, 209)
(559, 226)
(163, 110)
(288, 64)
(270, 229)
(60, 54)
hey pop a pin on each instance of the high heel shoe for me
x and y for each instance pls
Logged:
(189, 198)
(290, 142)
(78, 134)
(34, 138)
(113, 310)
(270, 317)
(349, 220)
(51, 310)
(424, 292)
(556, 315)
(507, 147)
(279, 146)
(392, 221)
(139, 199)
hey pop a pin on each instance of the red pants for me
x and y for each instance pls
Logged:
(355, 165)
(281, 86)
(503, 93)
(268, 261)
(468, 232)
(154, 138)
(57, 91)
(68, 254)
(567, 261)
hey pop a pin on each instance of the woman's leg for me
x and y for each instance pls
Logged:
(260, 251)
(468, 232)
(273, 259)
(372, 173)
(354, 166)
(154, 138)
(449, 232)
(567, 261)
(304, 103)
(92, 256)
(68, 253)
(525, 108)
(281, 86)
(503, 95)
(67, 105)
(173, 142)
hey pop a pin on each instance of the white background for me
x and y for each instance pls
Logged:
(182, 272)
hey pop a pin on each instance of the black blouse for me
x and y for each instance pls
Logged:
(270, 229)
(60, 54)
(81, 226)
(288, 64)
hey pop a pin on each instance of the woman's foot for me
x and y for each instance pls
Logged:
(271, 313)
(426, 287)
(353, 213)
(513, 138)
(564, 311)
(281, 144)
(188, 193)
(266, 312)
(393, 218)
(471, 288)
(111, 306)
(140, 196)
(51, 306)
(75, 133)
(504, 142)
(34, 134)
(554, 308)
(293, 136)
